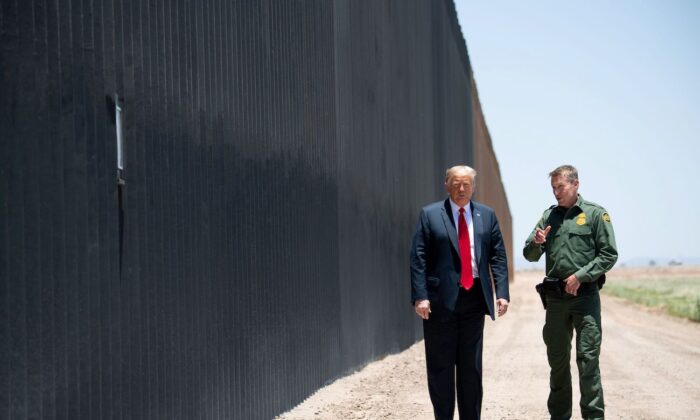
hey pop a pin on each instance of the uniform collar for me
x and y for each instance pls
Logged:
(578, 203)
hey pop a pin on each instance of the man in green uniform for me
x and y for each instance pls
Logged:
(578, 238)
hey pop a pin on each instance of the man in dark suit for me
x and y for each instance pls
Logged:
(457, 245)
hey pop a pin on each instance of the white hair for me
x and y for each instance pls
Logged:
(471, 173)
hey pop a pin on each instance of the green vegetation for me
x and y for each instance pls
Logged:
(677, 296)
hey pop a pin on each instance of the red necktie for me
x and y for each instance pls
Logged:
(465, 250)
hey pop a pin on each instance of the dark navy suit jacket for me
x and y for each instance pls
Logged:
(435, 260)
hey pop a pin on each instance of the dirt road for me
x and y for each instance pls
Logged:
(650, 365)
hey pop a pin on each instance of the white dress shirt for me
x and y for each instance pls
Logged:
(470, 227)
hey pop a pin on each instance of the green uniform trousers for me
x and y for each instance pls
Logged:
(564, 314)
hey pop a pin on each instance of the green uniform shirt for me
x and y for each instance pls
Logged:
(581, 241)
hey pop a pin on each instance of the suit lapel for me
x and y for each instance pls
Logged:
(449, 225)
(478, 230)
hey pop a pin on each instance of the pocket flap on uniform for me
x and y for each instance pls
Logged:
(581, 230)
(433, 281)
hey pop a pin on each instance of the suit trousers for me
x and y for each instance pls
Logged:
(454, 342)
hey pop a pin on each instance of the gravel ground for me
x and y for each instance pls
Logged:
(650, 365)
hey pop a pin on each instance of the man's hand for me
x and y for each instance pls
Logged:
(541, 235)
(572, 284)
(423, 308)
(502, 306)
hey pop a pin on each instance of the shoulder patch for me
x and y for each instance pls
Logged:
(606, 217)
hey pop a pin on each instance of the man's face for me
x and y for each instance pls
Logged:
(565, 191)
(460, 187)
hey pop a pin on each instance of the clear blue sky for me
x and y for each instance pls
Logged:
(611, 87)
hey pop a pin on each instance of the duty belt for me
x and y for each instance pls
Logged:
(556, 287)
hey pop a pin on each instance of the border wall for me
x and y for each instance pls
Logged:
(489, 184)
(254, 244)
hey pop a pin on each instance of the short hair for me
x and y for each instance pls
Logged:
(451, 171)
(567, 171)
